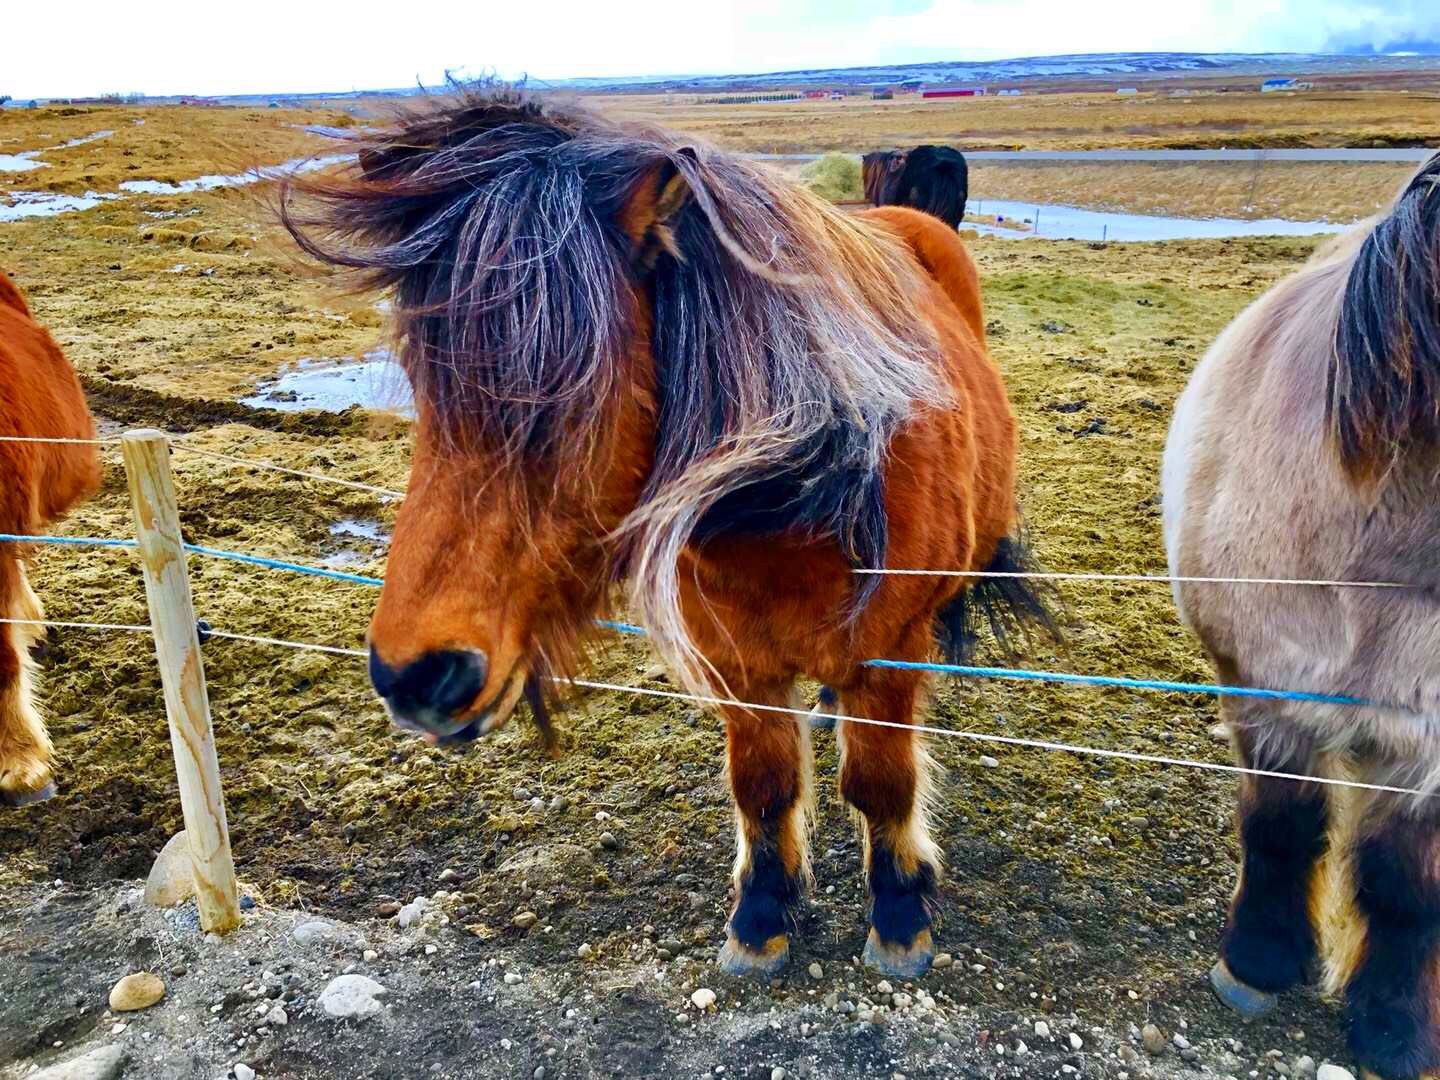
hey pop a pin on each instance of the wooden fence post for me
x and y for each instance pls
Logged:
(182, 673)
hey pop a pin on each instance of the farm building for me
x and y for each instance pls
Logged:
(1010, 93)
(882, 94)
(959, 91)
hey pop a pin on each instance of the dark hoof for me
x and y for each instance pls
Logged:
(1249, 1003)
(739, 959)
(27, 798)
(897, 962)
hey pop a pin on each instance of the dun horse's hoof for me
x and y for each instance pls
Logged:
(739, 959)
(896, 962)
(27, 798)
(1250, 1003)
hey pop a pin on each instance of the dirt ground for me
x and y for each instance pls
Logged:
(1083, 893)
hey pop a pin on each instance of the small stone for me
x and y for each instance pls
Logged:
(989, 762)
(703, 999)
(943, 960)
(431, 950)
(355, 996)
(778, 1073)
(1153, 1040)
(674, 946)
(559, 803)
(369, 956)
(104, 1063)
(387, 908)
(525, 920)
(1076, 1043)
(1304, 1066)
(277, 1017)
(522, 794)
(884, 987)
(1181, 1043)
(412, 913)
(1042, 1029)
(137, 991)
(317, 932)
(172, 878)
(586, 951)
(243, 1071)
(608, 841)
(816, 972)
(1127, 1054)
(537, 804)
(449, 876)
(539, 1073)
(1333, 1072)
(513, 978)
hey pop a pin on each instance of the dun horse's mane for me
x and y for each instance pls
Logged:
(1383, 390)
(784, 342)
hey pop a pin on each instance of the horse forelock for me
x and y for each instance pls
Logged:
(785, 354)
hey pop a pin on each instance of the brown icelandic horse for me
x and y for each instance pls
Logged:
(934, 179)
(39, 397)
(639, 359)
(1306, 446)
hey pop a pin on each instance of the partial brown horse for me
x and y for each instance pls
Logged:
(1306, 446)
(39, 397)
(639, 359)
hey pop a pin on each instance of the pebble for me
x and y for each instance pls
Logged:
(525, 920)
(412, 913)
(944, 960)
(703, 999)
(317, 932)
(243, 1071)
(608, 841)
(352, 996)
(449, 876)
(1304, 1066)
(513, 978)
(1042, 1029)
(277, 1017)
(137, 991)
(1333, 1072)
(1076, 1043)
(778, 1073)
(172, 878)
(884, 987)
(387, 908)
(370, 956)
(104, 1063)
(522, 794)
(559, 803)
(989, 762)
(1153, 1040)
(816, 972)
(586, 951)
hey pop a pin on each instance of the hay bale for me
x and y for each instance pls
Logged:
(835, 177)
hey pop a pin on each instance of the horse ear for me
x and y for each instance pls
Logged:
(648, 219)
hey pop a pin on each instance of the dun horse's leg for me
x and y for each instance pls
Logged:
(884, 774)
(1269, 940)
(769, 766)
(25, 750)
(1389, 959)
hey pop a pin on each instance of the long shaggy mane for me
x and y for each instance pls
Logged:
(784, 347)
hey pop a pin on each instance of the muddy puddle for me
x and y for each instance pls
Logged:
(1056, 222)
(364, 540)
(375, 381)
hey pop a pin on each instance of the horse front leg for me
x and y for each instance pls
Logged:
(1269, 943)
(1386, 952)
(770, 778)
(885, 775)
(25, 749)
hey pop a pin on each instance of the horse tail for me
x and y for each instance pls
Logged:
(1384, 379)
(1009, 605)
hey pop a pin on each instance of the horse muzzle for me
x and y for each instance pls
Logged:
(437, 695)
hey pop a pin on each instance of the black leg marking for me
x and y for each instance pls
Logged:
(1269, 943)
(900, 907)
(1391, 1002)
(769, 900)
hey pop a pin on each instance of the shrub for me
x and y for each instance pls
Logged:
(835, 177)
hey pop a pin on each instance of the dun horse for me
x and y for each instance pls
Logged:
(934, 179)
(638, 359)
(39, 397)
(1306, 447)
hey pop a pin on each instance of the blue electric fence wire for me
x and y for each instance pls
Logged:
(906, 665)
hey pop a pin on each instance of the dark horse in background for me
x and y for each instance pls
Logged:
(934, 179)
(639, 359)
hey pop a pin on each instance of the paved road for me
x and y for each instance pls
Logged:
(1351, 155)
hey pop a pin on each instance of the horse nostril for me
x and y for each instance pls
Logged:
(442, 682)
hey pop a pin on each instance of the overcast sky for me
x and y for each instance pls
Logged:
(257, 46)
